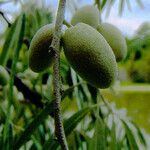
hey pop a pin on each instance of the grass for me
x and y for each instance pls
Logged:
(136, 99)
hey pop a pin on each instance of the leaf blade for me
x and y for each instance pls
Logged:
(8, 43)
(99, 138)
(130, 136)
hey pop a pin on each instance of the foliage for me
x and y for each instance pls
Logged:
(139, 54)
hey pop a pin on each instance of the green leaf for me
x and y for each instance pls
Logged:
(38, 18)
(87, 139)
(103, 4)
(7, 139)
(128, 4)
(76, 91)
(121, 6)
(8, 43)
(70, 89)
(113, 143)
(130, 136)
(109, 6)
(69, 126)
(19, 32)
(85, 91)
(36, 143)
(98, 3)
(99, 138)
(10, 138)
(73, 121)
(29, 130)
(51, 143)
(139, 2)
(140, 134)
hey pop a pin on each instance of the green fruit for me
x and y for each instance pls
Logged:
(115, 39)
(90, 55)
(4, 76)
(87, 14)
(39, 56)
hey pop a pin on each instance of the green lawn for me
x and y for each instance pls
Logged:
(136, 98)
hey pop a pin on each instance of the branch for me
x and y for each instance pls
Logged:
(9, 24)
(59, 129)
(28, 94)
(34, 97)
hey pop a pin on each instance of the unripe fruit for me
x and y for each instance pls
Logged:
(90, 55)
(4, 76)
(39, 56)
(115, 39)
(88, 14)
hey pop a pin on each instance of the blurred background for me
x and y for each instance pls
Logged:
(130, 93)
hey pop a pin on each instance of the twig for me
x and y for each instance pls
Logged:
(66, 23)
(59, 129)
(9, 24)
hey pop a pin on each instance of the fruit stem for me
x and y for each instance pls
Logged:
(65, 22)
(55, 46)
(98, 3)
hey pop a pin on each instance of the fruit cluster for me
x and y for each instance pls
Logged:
(91, 48)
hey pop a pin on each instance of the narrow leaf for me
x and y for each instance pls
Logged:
(19, 32)
(71, 89)
(87, 139)
(139, 2)
(140, 134)
(10, 138)
(8, 43)
(113, 143)
(128, 4)
(51, 143)
(130, 136)
(73, 121)
(121, 6)
(109, 6)
(69, 126)
(29, 130)
(38, 17)
(99, 138)
(76, 91)
(98, 3)
(103, 4)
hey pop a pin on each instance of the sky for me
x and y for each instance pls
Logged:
(127, 23)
